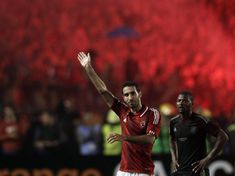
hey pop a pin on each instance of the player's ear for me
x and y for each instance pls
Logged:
(140, 94)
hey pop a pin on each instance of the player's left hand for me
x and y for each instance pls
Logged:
(200, 165)
(114, 137)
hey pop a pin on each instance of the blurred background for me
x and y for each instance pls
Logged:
(49, 108)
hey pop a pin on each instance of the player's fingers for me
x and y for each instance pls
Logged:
(80, 58)
(174, 168)
(109, 140)
(112, 138)
(195, 163)
(113, 141)
(81, 55)
(84, 55)
(196, 168)
(109, 137)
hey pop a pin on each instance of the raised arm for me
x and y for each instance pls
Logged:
(85, 61)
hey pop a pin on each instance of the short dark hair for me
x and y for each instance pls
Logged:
(187, 94)
(131, 84)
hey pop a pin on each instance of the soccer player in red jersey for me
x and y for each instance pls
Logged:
(140, 124)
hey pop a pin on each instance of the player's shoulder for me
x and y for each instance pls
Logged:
(118, 103)
(155, 113)
(200, 118)
(154, 109)
(175, 119)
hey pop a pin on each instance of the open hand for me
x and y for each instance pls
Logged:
(84, 59)
(200, 165)
(114, 137)
(174, 164)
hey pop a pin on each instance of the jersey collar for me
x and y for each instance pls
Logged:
(141, 112)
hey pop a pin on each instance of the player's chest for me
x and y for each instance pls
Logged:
(187, 129)
(137, 122)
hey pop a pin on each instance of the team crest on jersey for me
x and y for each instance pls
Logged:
(151, 132)
(142, 124)
(124, 120)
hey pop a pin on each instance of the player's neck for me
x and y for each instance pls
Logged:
(136, 109)
(186, 115)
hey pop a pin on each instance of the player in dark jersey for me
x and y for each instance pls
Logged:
(188, 132)
(140, 124)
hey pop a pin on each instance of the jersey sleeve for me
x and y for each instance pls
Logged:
(212, 128)
(154, 122)
(118, 107)
(171, 129)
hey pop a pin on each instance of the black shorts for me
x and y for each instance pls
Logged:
(190, 173)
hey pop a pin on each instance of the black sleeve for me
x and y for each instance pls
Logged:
(171, 129)
(212, 128)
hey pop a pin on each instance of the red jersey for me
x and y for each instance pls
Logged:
(137, 157)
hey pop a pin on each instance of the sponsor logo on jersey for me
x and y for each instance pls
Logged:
(151, 132)
(175, 129)
(183, 139)
(142, 124)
